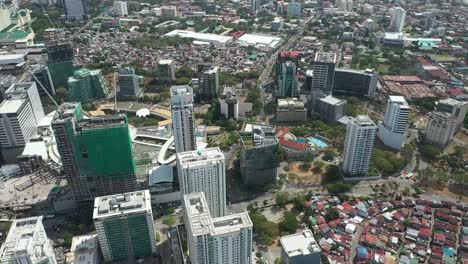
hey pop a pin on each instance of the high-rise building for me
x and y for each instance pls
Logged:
(229, 104)
(60, 62)
(355, 82)
(226, 239)
(283, 57)
(301, 248)
(440, 129)
(393, 130)
(294, 9)
(287, 80)
(359, 146)
(20, 113)
(254, 5)
(308, 81)
(204, 171)
(75, 10)
(129, 86)
(166, 70)
(120, 8)
(59, 52)
(324, 71)
(456, 108)
(168, 11)
(84, 249)
(209, 84)
(183, 122)
(124, 225)
(96, 153)
(44, 80)
(86, 86)
(398, 20)
(27, 242)
(329, 108)
(259, 154)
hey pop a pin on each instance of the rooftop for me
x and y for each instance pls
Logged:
(264, 40)
(300, 244)
(197, 156)
(83, 250)
(107, 206)
(290, 103)
(399, 99)
(200, 36)
(329, 99)
(363, 120)
(258, 135)
(11, 106)
(325, 57)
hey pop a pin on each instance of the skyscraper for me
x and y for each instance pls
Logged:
(60, 62)
(166, 70)
(294, 9)
(124, 225)
(96, 153)
(204, 171)
(393, 130)
(355, 82)
(120, 8)
(42, 74)
(440, 128)
(226, 239)
(456, 108)
(398, 20)
(229, 104)
(183, 123)
(86, 86)
(254, 5)
(308, 81)
(283, 57)
(324, 71)
(129, 87)
(75, 10)
(209, 84)
(287, 80)
(359, 146)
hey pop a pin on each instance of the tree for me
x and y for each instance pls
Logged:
(170, 221)
(332, 214)
(429, 151)
(329, 155)
(289, 224)
(282, 198)
(305, 167)
(182, 81)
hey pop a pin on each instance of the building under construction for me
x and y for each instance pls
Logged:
(96, 153)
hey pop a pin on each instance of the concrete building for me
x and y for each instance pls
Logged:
(204, 171)
(20, 113)
(254, 5)
(75, 10)
(324, 71)
(287, 82)
(124, 225)
(277, 24)
(86, 86)
(27, 242)
(359, 146)
(440, 129)
(183, 122)
(329, 108)
(308, 81)
(166, 70)
(397, 23)
(5, 20)
(209, 84)
(129, 86)
(300, 248)
(456, 108)
(294, 9)
(84, 250)
(93, 164)
(259, 154)
(355, 82)
(290, 110)
(43, 80)
(226, 239)
(60, 62)
(229, 104)
(168, 11)
(59, 52)
(120, 8)
(163, 186)
(394, 128)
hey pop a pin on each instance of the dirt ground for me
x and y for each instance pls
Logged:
(302, 177)
(446, 192)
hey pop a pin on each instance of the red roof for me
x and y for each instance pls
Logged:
(401, 78)
(289, 54)
(454, 92)
(346, 206)
(439, 237)
(425, 232)
(293, 144)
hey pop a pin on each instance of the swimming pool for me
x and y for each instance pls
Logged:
(318, 142)
(301, 140)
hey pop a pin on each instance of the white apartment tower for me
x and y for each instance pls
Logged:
(440, 129)
(183, 123)
(359, 146)
(393, 130)
(204, 171)
(27, 243)
(120, 8)
(398, 20)
(457, 108)
(226, 239)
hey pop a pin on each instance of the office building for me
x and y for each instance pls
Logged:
(277, 24)
(75, 10)
(359, 146)
(397, 23)
(294, 9)
(259, 155)
(204, 171)
(209, 84)
(183, 122)
(27, 242)
(355, 82)
(166, 70)
(124, 225)
(283, 57)
(308, 81)
(456, 108)
(129, 86)
(86, 86)
(370, 25)
(329, 108)
(120, 8)
(164, 186)
(287, 80)
(440, 128)
(20, 113)
(226, 239)
(290, 110)
(59, 52)
(300, 248)
(43, 80)
(83, 250)
(60, 62)
(254, 6)
(229, 104)
(168, 11)
(393, 130)
(93, 164)
(324, 71)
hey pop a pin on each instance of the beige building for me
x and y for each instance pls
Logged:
(290, 110)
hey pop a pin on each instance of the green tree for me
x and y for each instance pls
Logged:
(289, 224)
(332, 214)
(429, 151)
(170, 221)
(282, 198)
(305, 167)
